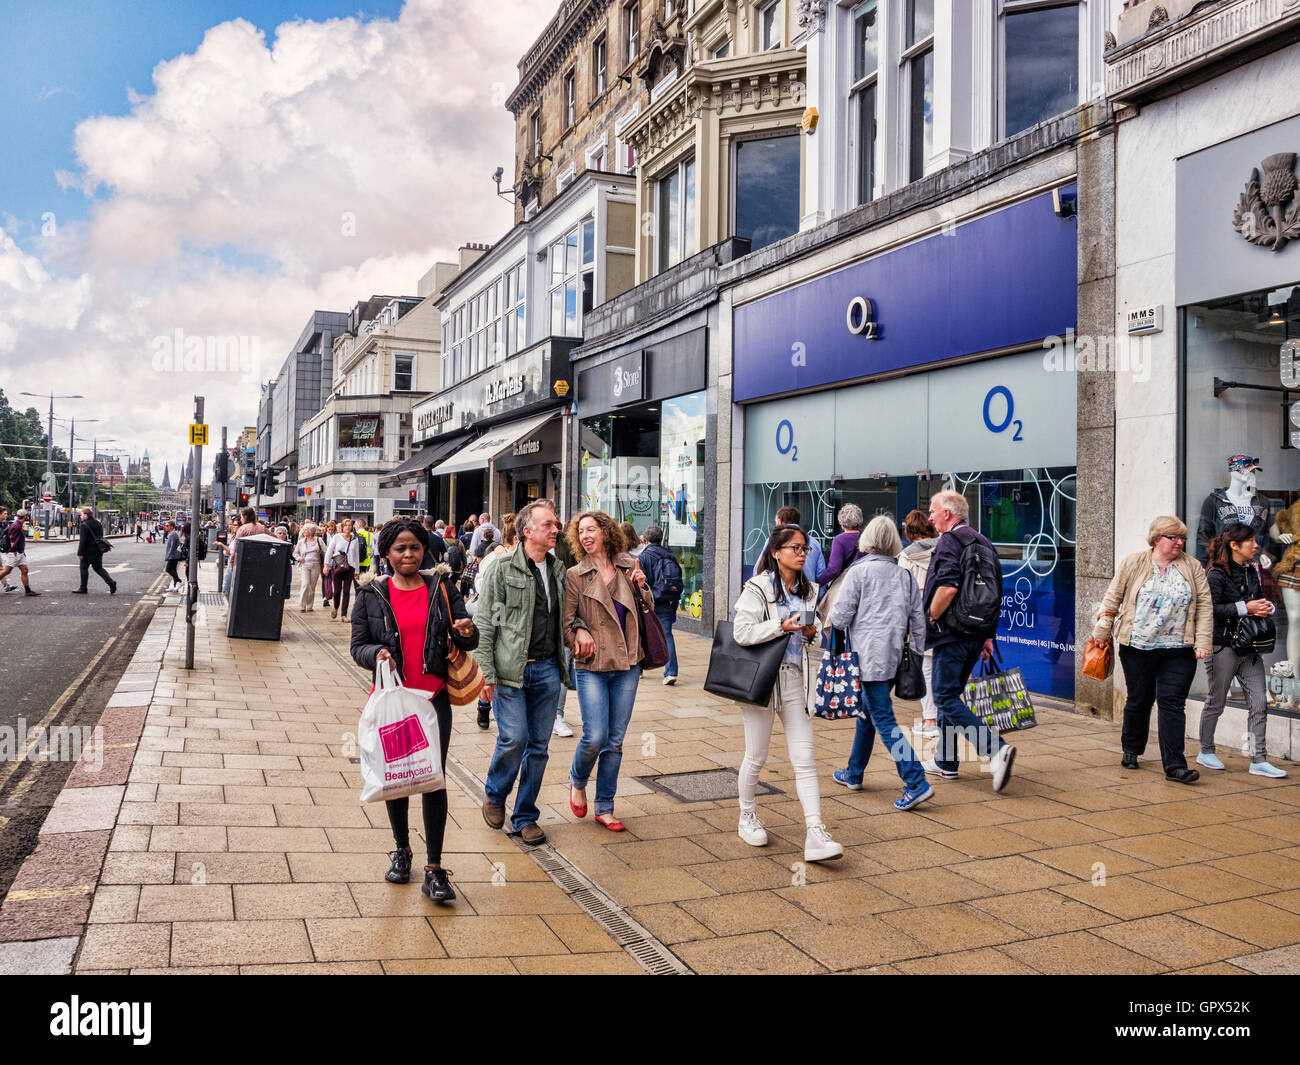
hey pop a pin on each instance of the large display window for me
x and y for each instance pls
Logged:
(1001, 432)
(1242, 399)
(645, 464)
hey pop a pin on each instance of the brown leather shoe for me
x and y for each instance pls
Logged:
(494, 813)
(532, 835)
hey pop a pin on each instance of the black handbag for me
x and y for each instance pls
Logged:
(909, 680)
(104, 546)
(746, 674)
(1254, 635)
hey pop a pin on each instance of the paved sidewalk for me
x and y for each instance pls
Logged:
(232, 840)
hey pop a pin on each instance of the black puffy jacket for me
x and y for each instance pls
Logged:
(374, 625)
(1237, 584)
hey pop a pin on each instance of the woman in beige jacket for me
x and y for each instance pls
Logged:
(602, 629)
(1159, 610)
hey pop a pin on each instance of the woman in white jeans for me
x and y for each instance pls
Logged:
(310, 553)
(770, 608)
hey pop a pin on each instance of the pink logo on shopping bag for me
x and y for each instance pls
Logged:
(403, 738)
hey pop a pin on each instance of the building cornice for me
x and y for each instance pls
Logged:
(1171, 51)
(734, 87)
(543, 60)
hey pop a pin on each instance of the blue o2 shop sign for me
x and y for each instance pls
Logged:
(1003, 279)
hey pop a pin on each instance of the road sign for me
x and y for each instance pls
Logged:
(198, 435)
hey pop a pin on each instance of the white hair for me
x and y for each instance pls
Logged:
(954, 502)
(880, 537)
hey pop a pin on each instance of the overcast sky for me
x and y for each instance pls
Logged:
(223, 169)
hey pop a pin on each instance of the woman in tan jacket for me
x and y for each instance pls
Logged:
(602, 629)
(1159, 610)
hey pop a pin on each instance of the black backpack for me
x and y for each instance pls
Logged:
(977, 607)
(668, 582)
(201, 547)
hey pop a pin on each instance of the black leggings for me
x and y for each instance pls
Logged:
(435, 802)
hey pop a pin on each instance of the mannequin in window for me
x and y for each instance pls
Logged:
(1286, 530)
(1236, 503)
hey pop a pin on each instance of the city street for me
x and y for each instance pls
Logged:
(68, 652)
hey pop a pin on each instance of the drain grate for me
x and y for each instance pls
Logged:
(212, 599)
(703, 785)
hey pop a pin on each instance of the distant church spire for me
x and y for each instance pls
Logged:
(167, 477)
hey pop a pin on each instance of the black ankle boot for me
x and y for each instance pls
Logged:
(400, 872)
(436, 885)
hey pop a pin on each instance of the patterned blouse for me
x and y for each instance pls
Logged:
(1161, 617)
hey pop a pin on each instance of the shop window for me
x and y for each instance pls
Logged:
(1242, 371)
(767, 189)
(1040, 48)
(646, 465)
(866, 59)
(675, 215)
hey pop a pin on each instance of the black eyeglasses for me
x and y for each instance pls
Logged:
(1175, 539)
(801, 549)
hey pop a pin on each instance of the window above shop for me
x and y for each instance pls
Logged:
(571, 266)
(1039, 77)
(769, 26)
(765, 190)
(674, 206)
(599, 65)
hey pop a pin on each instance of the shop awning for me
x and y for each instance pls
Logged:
(413, 468)
(477, 454)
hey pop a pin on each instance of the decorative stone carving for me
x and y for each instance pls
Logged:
(1158, 16)
(811, 15)
(1110, 41)
(1262, 215)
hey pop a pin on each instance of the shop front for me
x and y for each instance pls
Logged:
(923, 369)
(510, 402)
(642, 443)
(1238, 320)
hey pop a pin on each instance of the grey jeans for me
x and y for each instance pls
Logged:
(1221, 667)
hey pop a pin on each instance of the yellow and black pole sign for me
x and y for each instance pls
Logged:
(198, 435)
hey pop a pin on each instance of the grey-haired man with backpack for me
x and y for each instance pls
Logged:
(663, 576)
(963, 602)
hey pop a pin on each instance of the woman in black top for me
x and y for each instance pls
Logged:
(1236, 592)
(406, 619)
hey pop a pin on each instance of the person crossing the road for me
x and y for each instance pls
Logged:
(13, 553)
(90, 554)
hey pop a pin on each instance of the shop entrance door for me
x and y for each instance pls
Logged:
(469, 495)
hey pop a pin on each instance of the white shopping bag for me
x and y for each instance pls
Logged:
(398, 736)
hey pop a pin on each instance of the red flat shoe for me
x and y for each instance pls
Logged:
(613, 824)
(578, 811)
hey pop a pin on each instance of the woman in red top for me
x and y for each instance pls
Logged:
(405, 619)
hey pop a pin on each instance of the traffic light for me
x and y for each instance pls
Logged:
(411, 496)
(221, 468)
(243, 499)
(270, 485)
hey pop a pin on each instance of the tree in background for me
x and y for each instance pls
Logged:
(22, 455)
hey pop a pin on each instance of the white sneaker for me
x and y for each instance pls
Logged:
(1000, 766)
(561, 729)
(751, 830)
(926, 730)
(1264, 769)
(670, 680)
(818, 845)
(931, 768)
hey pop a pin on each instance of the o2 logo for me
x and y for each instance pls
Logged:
(785, 444)
(860, 318)
(1009, 419)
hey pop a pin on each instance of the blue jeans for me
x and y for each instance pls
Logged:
(525, 717)
(667, 617)
(875, 698)
(605, 699)
(953, 663)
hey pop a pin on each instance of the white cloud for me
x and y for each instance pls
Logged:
(221, 199)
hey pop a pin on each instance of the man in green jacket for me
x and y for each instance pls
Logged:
(521, 652)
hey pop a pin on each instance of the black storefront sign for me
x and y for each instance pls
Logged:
(664, 369)
(543, 446)
(519, 384)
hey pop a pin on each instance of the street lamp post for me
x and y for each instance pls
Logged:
(94, 462)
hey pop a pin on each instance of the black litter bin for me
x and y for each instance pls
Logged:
(256, 609)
